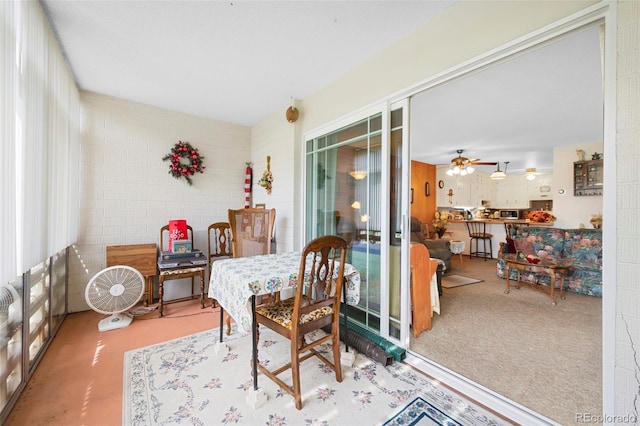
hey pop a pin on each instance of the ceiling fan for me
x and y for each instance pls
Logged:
(463, 166)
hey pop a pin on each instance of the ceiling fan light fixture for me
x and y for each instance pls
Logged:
(530, 173)
(358, 174)
(460, 166)
(498, 174)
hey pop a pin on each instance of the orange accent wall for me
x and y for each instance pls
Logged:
(423, 206)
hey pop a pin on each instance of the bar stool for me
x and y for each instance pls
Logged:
(478, 232)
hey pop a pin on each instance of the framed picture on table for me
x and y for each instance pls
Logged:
(181, 246)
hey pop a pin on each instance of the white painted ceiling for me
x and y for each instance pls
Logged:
(240, 61)
(235, 61)
(517, 110)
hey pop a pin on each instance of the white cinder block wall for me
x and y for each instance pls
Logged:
(627, 369)
(127, 194)
(275, 137)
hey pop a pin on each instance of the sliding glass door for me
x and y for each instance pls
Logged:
(354, 189)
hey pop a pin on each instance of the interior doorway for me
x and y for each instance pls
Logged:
(456, 98)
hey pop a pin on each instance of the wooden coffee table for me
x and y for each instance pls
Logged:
(552, 268)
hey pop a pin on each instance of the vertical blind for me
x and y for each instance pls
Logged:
(39, 117)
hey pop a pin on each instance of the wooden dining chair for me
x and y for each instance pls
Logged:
(219, 247)
(219, 241)
(251, 231)
(315, 305)
(178, 272)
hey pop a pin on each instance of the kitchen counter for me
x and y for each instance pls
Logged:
(457, 230)
(503, 221)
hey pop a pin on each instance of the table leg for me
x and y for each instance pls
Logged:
(160, 291)
(221, 321)
(254, 335)
(508, 269)
(552, 289)
(258, 397)
(202, 290)
(346, 317)
(562, 286)
(149, 296)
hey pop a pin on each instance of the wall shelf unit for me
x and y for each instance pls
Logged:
(587, 178)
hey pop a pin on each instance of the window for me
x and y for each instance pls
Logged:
(343, 197)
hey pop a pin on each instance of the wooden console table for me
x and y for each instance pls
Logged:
(139, 256)
(550, 268)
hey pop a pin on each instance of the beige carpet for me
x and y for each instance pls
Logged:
(455, 280)
(547, 358)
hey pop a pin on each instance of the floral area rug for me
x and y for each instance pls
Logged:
(183, 381)
(454, 280)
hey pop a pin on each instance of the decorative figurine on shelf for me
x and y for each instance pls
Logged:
(266, 181)
(596, 156)
(596, 220)
(581, 154)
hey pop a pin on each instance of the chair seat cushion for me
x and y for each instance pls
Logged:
(182, 271)
(481, 235)
(281, 312)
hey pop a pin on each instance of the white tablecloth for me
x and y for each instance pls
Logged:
(234, 281)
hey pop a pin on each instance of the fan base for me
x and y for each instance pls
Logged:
(115, 321)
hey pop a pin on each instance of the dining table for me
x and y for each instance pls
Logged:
(235, 282)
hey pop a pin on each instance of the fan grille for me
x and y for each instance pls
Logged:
(8, 296)
(114, 289)
(6, 299)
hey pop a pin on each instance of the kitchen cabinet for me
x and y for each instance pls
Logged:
(514, 192)
(510, 193)
(468, 191)
(588, 178)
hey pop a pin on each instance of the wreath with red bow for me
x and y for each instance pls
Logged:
(185, 161)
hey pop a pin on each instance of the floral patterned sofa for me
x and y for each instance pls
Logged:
(581, 249)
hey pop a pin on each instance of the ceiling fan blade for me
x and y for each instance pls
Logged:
(484, 163)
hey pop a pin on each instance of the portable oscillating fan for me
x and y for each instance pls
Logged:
(10, 309)
(111, 292)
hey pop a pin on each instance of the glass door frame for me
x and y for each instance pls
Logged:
(405, 242)
(384, 109)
